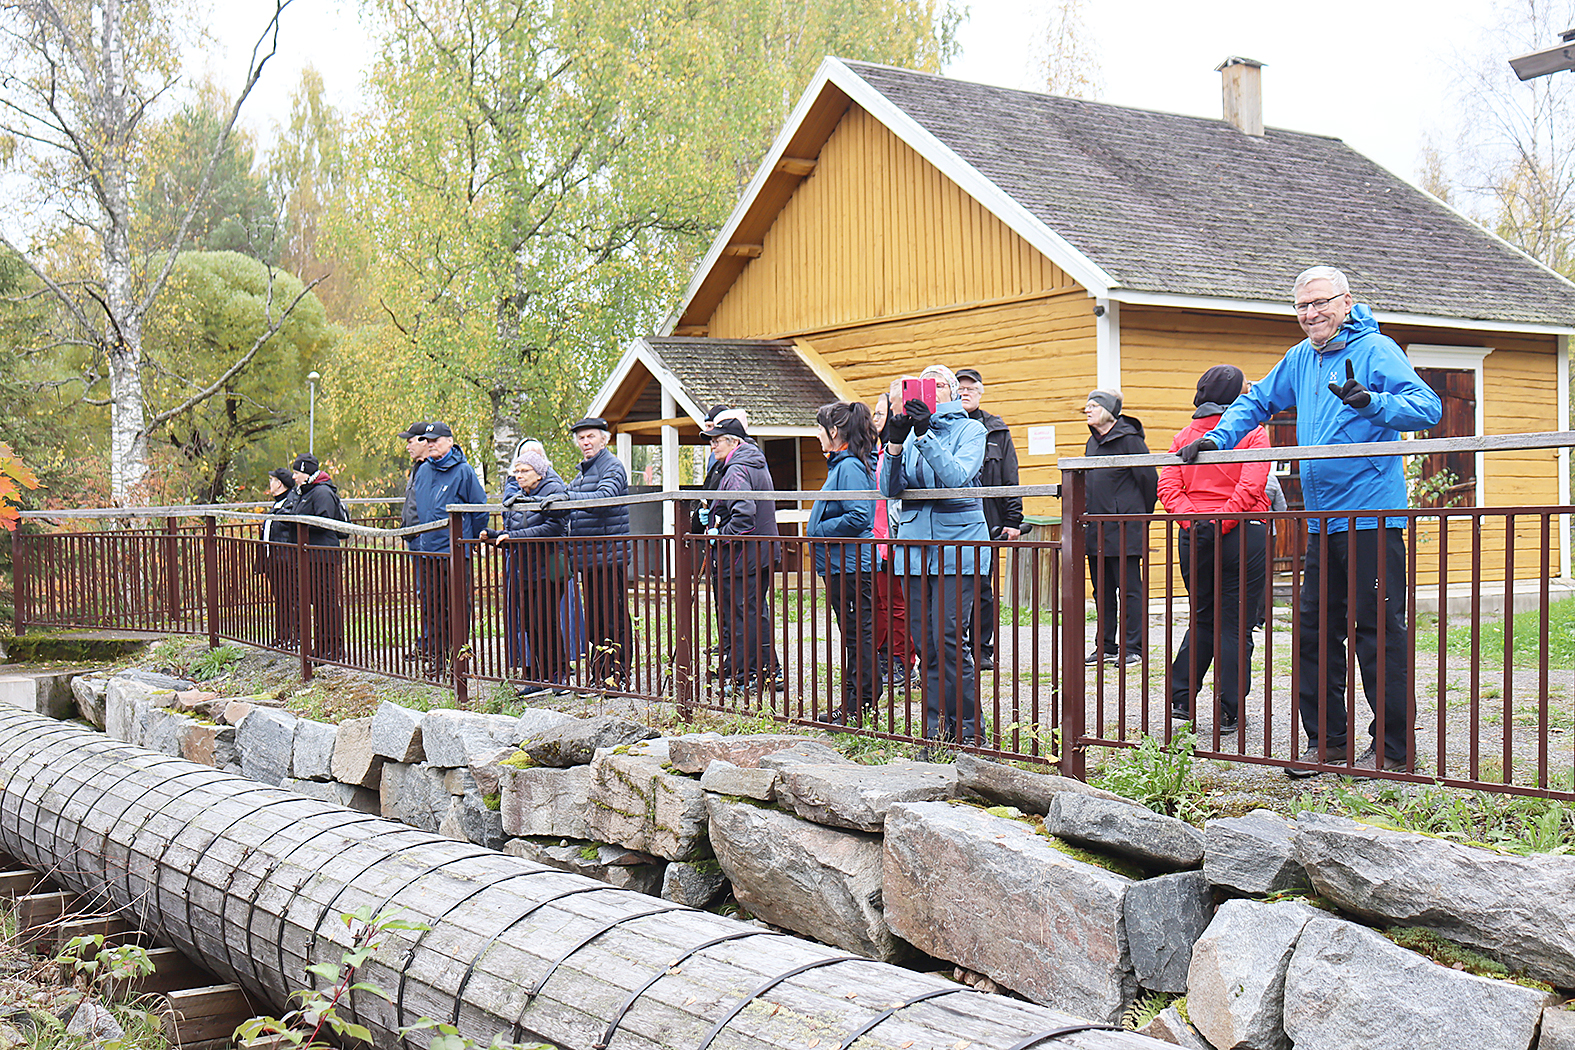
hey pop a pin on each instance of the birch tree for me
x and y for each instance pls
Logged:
(79, 82)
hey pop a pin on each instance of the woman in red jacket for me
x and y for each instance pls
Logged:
(1214, 553)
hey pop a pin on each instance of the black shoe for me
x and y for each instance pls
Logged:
(1334, 756)
(986, 662)
(1180, 713)
(1096, 658)
(1228, 725)
(1129, 659)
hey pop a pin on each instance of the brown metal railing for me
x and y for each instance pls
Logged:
(643, 616)
(1497, 720)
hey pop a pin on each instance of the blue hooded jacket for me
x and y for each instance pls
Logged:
(438, 483)
(852, 518)
(1401, 401)
(947, 457)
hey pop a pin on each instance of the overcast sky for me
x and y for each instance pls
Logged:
(1376, 73)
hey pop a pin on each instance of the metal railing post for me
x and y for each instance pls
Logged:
(456, 621)
(171, 572)
(303, 603)
(683, 611)
(210, 568)
(19, 580)
(1073, 624)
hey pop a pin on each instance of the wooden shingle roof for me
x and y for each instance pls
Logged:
(765, 377)
(1187, 206)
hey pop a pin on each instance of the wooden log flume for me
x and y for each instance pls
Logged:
(251, 882)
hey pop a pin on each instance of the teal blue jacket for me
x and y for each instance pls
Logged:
(851, 519)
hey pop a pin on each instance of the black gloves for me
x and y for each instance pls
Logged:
(1352, 393)
(919, 413)
(898, 427)
(512, 498)
(1189, 453)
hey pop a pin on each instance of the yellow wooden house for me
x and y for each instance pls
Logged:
(1058, 245)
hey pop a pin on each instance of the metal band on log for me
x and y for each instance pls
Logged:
(250, 882)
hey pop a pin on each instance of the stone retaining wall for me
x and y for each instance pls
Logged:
(1066, 895)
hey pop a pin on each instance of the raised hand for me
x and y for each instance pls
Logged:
(1352, 393)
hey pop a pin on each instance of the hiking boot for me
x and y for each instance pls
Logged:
(1334, 756)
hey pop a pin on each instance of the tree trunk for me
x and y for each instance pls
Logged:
(506, 437)
(128, 439)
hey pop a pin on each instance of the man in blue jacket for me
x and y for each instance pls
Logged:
(445, 477)
(602, 564)
(1349, 384)
(940, 449)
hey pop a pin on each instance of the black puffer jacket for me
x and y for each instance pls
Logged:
(1120, 490)
(999, 468)
(600, 477)
(319, 498)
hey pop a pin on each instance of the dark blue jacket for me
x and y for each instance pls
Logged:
(438, 483)
(600, 477)
(535, 560)
(746, 471)
(849, 518)
(1401, 401)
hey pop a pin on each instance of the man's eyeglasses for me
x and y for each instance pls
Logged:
(1316, 304)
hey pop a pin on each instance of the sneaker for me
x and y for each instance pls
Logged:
(1370, 760)
(1180, 713)
(1096, 658)
(1228, 725)
(1129, 659)
(1335, 756)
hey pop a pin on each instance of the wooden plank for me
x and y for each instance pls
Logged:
(22, 883)
(114, 929)
(172, 971)
(196, 1015)
(799, 166)
(40, 909)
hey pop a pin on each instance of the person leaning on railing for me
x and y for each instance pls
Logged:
(940, 449)
(602, 564)
(1349, 384)
(895, 651)
(444, 477)
(848, 442)
(317, 496)
(744, 565)
(1228, 548)
(535, 573)
(276, 559)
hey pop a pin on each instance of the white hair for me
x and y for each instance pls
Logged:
(941, 374)
(1322, 273)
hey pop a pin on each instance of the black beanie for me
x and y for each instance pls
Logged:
(1220, 385)
(306, 463)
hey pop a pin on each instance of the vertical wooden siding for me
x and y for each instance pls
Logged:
(1036, 355)
(876, 231)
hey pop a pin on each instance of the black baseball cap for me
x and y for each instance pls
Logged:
(970, 373)
(413, 430)
(433, 431)
(731, 426)
(590, 423)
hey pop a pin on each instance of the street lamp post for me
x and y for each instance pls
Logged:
(311, 426)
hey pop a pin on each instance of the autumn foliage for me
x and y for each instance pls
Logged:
(14, 477)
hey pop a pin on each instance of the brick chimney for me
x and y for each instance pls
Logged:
(1242, 82)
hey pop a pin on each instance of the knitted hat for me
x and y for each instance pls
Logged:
(1109, 400)
(1220, 385)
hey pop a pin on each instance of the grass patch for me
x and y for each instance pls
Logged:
(1508, 823)
(1457, 956)
(1525, 628)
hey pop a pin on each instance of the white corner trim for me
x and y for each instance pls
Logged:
(1462, 358)
(1107, 344)
(1564, 458)
(641, 351)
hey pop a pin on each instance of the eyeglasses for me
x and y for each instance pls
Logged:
(1317, 304)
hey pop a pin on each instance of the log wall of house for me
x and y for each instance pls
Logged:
(876, 231)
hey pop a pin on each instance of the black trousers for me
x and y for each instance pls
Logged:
(280, 570)
(324, 574)
(851, 596)
(604, 592)
(542, 630)
(940, 612)
(1123, 576)
(745, 598)
(1222, 618)
(1351, 579)
(450, 625)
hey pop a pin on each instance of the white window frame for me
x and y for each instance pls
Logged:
(1459, 358)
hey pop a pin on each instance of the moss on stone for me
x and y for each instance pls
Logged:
(493, 801)
(519, 760)
(1457, 956)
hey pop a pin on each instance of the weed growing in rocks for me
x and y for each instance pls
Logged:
(1157, 774)
(1510, 823)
